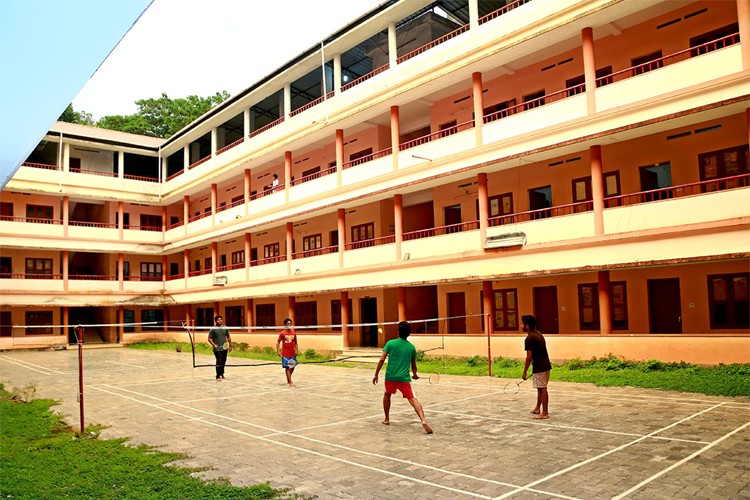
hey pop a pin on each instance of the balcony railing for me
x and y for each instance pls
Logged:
(176, 174)
(93, 277)
(156, 229)
(34, 220)
(311, 104)
(230, 146)
(436, 135)
(200, 272)
(366, 158)
(364, 77)
(667, 60)
(266, 127)
(503, 10)
(200, 216)
(31, 276)
(542, 213)
(314, 252)
(230, 267)
(176, 224)
(316, 175)
(268, 260)
(233, 204)
(106, 225)
(372, 242)
(534, 103)
(696, 188)
(199, 162)
(41, 165)
(434, 43)
(441, 230)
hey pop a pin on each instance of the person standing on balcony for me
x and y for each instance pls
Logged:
(221, 341)
(401, 355)
(536, 354)
(275, 183)
(287, 348)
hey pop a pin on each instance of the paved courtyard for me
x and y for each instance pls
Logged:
(325, 437)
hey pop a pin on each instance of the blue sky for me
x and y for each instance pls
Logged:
(50, 51)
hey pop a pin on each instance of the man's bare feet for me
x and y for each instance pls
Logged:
(386, 422)
(534, 411)
(427, 427)
(292, 384)
(544, 416)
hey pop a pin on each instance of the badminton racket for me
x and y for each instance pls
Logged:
(433, 379)
(513, 387)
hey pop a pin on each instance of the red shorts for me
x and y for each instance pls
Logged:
(404, 387)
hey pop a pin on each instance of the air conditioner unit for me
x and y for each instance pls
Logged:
(220, 280)
(506, 240)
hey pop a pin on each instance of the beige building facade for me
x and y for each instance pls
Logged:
(455, 164)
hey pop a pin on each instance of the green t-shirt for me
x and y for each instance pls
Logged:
(219, 336)
(400, 353)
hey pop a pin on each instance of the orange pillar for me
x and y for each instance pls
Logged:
(248, 254)
(66, 215)
(605, 303)
(341, 215)
(290, 309)
(484, 207)
(743, 19)
(478, 100)
(214, 202)
(398, 222)
(589, 69)
(248, 186)
(489, 324)
(121, 271)
(164, 271)
(339, 155)
(345, 318)
(65, 267)
(185, 212)
(597, 188)
(120, 219)
(121, 322)
(164, 219)
(395, 135)
(249, 314)
(287, 173)
(289, 246)
(214, 257)
(186, 264)
(65, 319)
(401, 303)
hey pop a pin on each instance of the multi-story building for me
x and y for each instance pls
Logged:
(455, 163)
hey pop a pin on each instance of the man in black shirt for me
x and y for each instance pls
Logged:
(536, 355)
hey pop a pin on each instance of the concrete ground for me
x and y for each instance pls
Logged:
(325, 438)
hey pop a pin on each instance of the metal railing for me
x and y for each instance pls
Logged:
(311, 104)
(316, 251)
(364, 159)
(503, 10)
(436, 135)
(316, 175)
(441, 230)
(230, 146)
(266, 127)
(364, 77)
(372, 242)
(435, 42)
(268, 260)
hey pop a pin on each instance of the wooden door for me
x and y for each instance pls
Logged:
(545, 309)
(456, 312)
(664, 308)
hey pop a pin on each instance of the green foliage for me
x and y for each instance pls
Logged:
(162, 116)
(41, 457)
(72, 116)
(476, 361)
(422, 356)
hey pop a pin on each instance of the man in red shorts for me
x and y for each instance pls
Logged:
(401, 356)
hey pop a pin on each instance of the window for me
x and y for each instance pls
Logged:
(588, 306)
(238, 257)
(151, 222)
(336, 314)
(235, 316)
(728, 300)
(271, 250)
(39, 213)
(6, 324)
(237, 199)
(506, 309)
(265, 314)
(707, 38)
(129, 317)
(6, 267)
(310, 243)
(601, 73)
(533, 100)
(207, 263)
(125, 269)
(647, 63)
(363, 232)
(723, 163)
(41, 319)
(333, 237)
(306, 313)
(575, 85)
(500, 110)
(152, 316)
(501, 204)
(38, 268)
(360, 154)
(448, 128)
(151, 270)
(205, 316)
(6, 210)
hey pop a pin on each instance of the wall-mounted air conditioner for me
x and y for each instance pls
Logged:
(506, 240)
(220, 280)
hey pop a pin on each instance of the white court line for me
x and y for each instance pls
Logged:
(125, 364)
(32, 366)
(677, 464)
(356, 464)
(601, 455)
(567, 427)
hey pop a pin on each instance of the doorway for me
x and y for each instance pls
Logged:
(664, 309)
(540, 199)
(655, 178)
(452, 217)
(545, 309)
(456, 312)
(368, 313)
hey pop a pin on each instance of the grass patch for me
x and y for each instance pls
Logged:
(239, 350)
(721, 380)
(41, 457)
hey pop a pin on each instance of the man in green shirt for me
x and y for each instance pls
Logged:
(221, 341)
(401, 356)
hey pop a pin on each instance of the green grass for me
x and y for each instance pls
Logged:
(721, 380)
(41, 457)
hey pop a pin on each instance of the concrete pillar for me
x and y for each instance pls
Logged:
(164, 219)
(120, 219)
(473, 14)
(217, 309)
(214, 257)
(121, 322)
(589, 69)
(398, 223)
(289, 246)
(66, 214)
(484, 207)
(345, 318)
(214, 202)
(392, 46)
(605, 303)
(186, 160)
(290, 309)
(336, 74)
(339, 155)
(489, 310)
(395, 135)
(478, 101)
(214, 141)
(185, 212)
(287, 100)
(65, 268)
(341, 226)
(121, 164)
(597, 188)
(248, 254)
(401, 303)
(186, 265)
(743, 19)
(66, 157)
(249, 314)
(65, 320)
(121, 271)
(246, 122)
(248, 188)
(287, 174)
(164, 264)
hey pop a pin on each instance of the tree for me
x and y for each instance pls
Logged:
(162, 116)
(72, 116)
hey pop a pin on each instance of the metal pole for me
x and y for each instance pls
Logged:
(79, 335)
(489, 348)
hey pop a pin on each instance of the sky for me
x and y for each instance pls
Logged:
(200, 47)
(49, 50)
